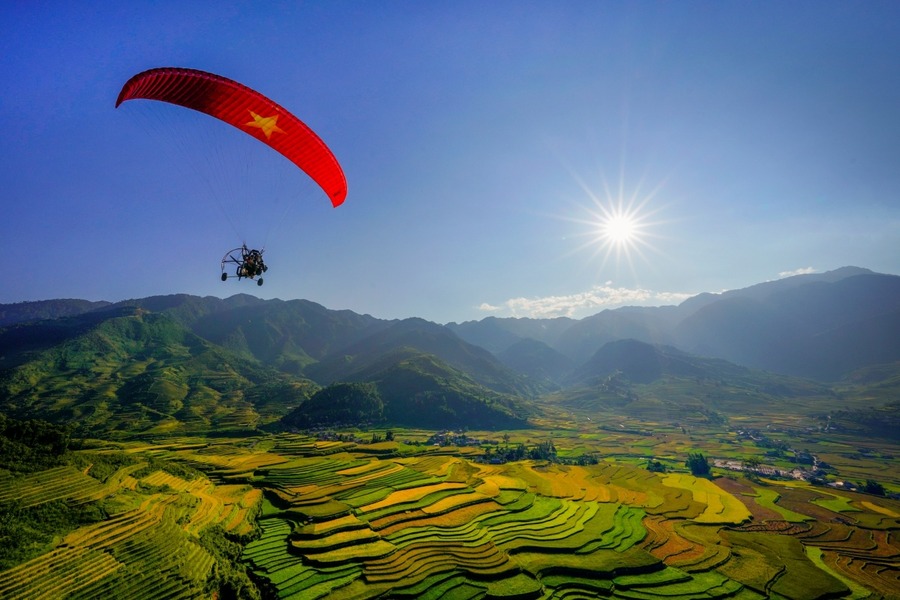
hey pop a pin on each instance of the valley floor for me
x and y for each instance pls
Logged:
(349, 515)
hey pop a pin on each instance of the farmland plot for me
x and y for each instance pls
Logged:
(543, 530)
(147, 547)
(330, 522)
(366, 525)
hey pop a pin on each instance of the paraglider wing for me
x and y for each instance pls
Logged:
(247, 110)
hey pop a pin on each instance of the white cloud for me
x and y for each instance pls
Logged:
(584, 303)
(801, 271)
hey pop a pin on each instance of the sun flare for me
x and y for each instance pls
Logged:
(619, 229)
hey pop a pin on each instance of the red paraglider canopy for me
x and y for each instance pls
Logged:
(247, 110)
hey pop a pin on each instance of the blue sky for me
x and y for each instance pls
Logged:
(485, 144)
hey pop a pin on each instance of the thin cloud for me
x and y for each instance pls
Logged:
(584, 303)
(801, 271)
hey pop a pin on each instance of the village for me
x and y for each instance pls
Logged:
(808, 467)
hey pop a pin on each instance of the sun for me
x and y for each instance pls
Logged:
(620, 229)
(618, 223)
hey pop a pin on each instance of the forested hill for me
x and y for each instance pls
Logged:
(181, 362)
(822, 326)
(125, 370)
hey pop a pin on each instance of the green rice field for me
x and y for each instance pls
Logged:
(314, 519)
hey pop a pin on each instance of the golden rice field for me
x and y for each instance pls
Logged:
(343, 520)
(147, 549)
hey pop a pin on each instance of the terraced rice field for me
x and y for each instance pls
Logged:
(143, 552)
(46, 486)
(330, 522)
(439, 526)
(150, 550)
(721, 507)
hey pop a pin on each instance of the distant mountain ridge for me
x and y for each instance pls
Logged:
(655, 382)
(821, 326)
(123, 367)
(180, 362)
(420, 390)
(425, 337)
(10, 314)
(822, 329)
(126, 369)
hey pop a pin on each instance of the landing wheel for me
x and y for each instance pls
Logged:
(259, 282)
(224, 276)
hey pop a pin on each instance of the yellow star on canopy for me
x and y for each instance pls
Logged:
(267, 124)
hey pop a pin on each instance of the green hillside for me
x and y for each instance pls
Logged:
(193, 488)
(367, 355)
(180, 364)
(18, 312)
(125, 370)
(660, 382)
(289, 336)
(128, 371)
(539, 361)
(410, 388)
(421, 390)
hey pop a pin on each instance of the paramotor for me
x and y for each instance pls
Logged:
(248, 111)
(254, 114)
(246, 262)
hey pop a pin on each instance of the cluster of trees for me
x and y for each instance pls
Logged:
(698, 464)
(171, 467)
(542, 451)
(339, 404)
(581, 460)
(654, 466)
(29, 531)
(873, 487)
(100, 466)
(545, 451)
(388, 437)
(32, 445)
(230, 579)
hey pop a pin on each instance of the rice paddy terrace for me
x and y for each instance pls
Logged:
(338, 519)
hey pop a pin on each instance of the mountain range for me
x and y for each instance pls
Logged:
(821, 326)
(171, 364)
